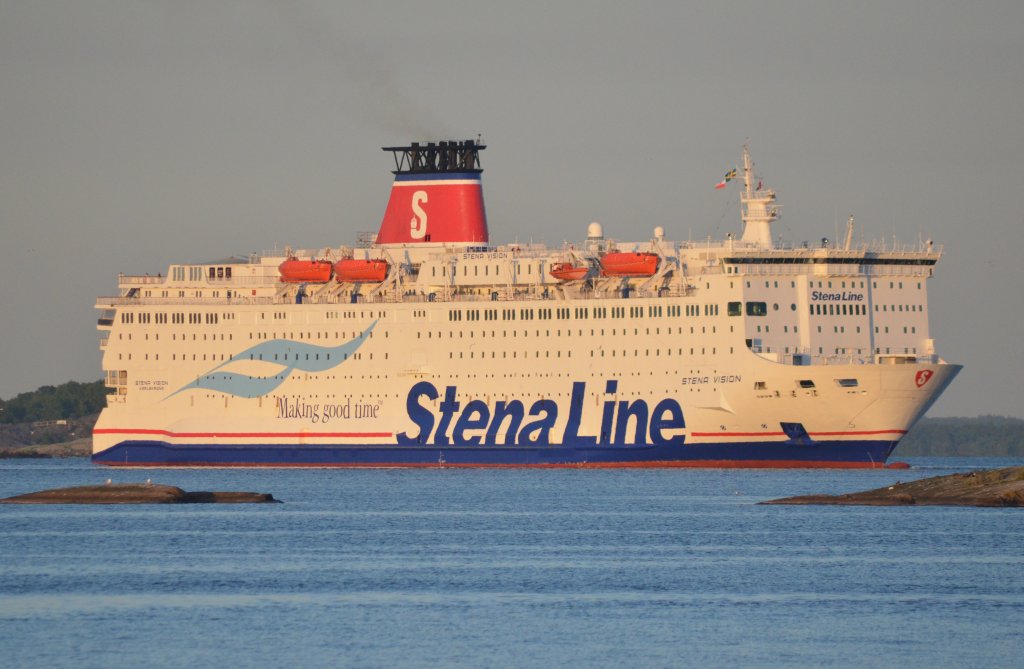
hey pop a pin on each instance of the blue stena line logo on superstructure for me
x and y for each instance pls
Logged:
(289, 355)
(622, 422)
(844, 296)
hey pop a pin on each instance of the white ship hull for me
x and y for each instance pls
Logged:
(566, 397)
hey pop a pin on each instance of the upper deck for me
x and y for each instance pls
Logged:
(516, 272)
(794, 303)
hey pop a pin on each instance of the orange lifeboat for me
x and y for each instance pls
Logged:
(629, 264)
(294, 270)
(565, 271)
(361, 271)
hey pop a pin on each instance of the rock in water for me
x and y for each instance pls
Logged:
(135, 493)
(997, 487)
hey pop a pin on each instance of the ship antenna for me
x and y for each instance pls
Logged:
(748, 169)
(757, 207)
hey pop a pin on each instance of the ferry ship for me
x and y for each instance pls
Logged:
(426, 345)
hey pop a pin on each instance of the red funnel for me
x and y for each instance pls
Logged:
(437, 197)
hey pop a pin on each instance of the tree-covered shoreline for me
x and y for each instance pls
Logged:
(67, 401)
(988, 436)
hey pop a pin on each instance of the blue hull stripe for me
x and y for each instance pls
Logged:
(128, 453)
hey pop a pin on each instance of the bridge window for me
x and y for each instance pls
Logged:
(757, 308)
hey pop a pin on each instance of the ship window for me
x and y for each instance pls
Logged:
(806, 383)
(760, 385)
(847, 383)
(757, 308)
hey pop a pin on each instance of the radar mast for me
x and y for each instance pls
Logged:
(757, 207)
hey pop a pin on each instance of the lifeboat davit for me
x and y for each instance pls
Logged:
(565, 271)
(294, 270)
(361, 271)
(629, 264)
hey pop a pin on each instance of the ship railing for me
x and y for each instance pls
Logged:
(507, 296)
(883, 246)
(102, 302)
(134, 279)
(837, 270)
(802, 357)
(698, 268)
(806, 247)
(789, 270)
(898, 270)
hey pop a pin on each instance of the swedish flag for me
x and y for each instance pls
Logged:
(729, 176)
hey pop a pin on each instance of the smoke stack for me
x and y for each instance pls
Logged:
(437, 197)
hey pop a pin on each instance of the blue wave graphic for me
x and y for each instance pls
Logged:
(291, 355)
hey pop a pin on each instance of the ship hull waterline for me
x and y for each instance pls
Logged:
(842, 454)
(864, 447)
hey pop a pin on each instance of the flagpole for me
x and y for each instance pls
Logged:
(747, 170)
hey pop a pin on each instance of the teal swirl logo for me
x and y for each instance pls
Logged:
(289, 355)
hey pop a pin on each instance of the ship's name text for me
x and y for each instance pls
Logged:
(142, 384)
(821, 296)
(475, 423)
(717, 379)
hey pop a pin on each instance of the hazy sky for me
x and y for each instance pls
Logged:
(136, 134)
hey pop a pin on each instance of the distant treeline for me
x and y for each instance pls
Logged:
(69, 400)
(981, 436)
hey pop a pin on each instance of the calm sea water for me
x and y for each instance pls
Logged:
(517, 568)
